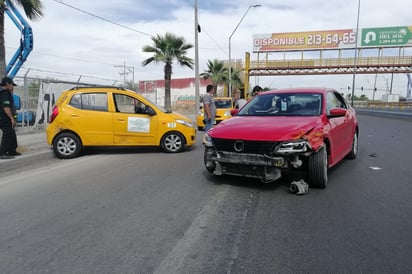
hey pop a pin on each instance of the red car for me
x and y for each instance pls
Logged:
(285, 130)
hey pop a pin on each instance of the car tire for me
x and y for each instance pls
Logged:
(318, 169)
(67, 145)
(173, 142)
(354, 152)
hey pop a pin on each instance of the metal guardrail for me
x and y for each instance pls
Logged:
(407, 106)
(397, 110)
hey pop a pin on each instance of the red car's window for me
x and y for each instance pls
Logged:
(284, 104)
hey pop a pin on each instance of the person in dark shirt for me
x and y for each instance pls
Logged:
(7, 120)
(256, 90)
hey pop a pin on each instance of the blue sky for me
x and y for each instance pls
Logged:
(70, 44)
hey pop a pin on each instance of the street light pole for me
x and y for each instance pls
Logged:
(230, 48)
(356, 55)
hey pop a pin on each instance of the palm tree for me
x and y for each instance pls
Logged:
(33, 10)
(236, 80)
(216, 72)
(166, 49)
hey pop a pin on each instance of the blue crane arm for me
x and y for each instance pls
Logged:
(26, 40)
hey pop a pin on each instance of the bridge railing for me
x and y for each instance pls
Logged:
(332, 62)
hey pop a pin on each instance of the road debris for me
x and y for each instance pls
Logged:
(299, 187)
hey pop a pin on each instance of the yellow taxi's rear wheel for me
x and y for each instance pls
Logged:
(67, 145)
(173, 142)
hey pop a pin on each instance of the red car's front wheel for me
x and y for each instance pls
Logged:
(318, 169)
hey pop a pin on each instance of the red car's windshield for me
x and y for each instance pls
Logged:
(284, 104)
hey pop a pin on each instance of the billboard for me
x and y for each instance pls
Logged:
(310, 40)
(386, 37)
(333, 39)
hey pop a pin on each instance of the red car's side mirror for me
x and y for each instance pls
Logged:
(234, 112)
(337, 112)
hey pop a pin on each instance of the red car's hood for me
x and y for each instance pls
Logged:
(264, 128)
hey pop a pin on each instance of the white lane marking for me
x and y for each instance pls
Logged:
(172, 262)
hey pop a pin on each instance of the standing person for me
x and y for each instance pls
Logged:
(236, 97)
(256, 90)
(241, 103)
(209, 107)
(7, 121)
(238, 101)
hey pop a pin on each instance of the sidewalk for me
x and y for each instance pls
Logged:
(33, 147)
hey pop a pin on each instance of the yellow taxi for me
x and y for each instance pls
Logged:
(223, 107)
(110, 117)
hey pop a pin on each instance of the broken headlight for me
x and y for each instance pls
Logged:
(207, 140)
(289, 147)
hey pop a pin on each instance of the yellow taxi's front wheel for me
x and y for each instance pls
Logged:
(173, 142)
(67, 145)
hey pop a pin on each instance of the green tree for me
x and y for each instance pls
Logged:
(131, 85)
(236, 80)
(362, 97)
(216, 72)
(33, 10)
(166, 49)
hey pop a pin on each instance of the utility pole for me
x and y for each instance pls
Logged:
(131, 70)
(197, 80)
(125, 71)
(374, 87)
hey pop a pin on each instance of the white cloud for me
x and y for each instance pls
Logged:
(71, 42)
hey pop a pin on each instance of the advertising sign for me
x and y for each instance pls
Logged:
(138, 124)
(333, 39)
(328, 39)
(386, 37)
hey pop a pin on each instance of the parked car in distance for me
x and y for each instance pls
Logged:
(223, 107)
(113, 117)
(284, 130)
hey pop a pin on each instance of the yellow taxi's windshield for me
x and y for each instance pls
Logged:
(223, 103)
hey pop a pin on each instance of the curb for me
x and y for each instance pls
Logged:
(26, 160)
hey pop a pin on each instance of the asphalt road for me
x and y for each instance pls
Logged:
(144, 211)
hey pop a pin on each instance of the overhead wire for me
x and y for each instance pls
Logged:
(131, 29)
(210, 37)
(96, 16)
(134, 30)
(65, 57)
(67, 74)
(102, 18)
